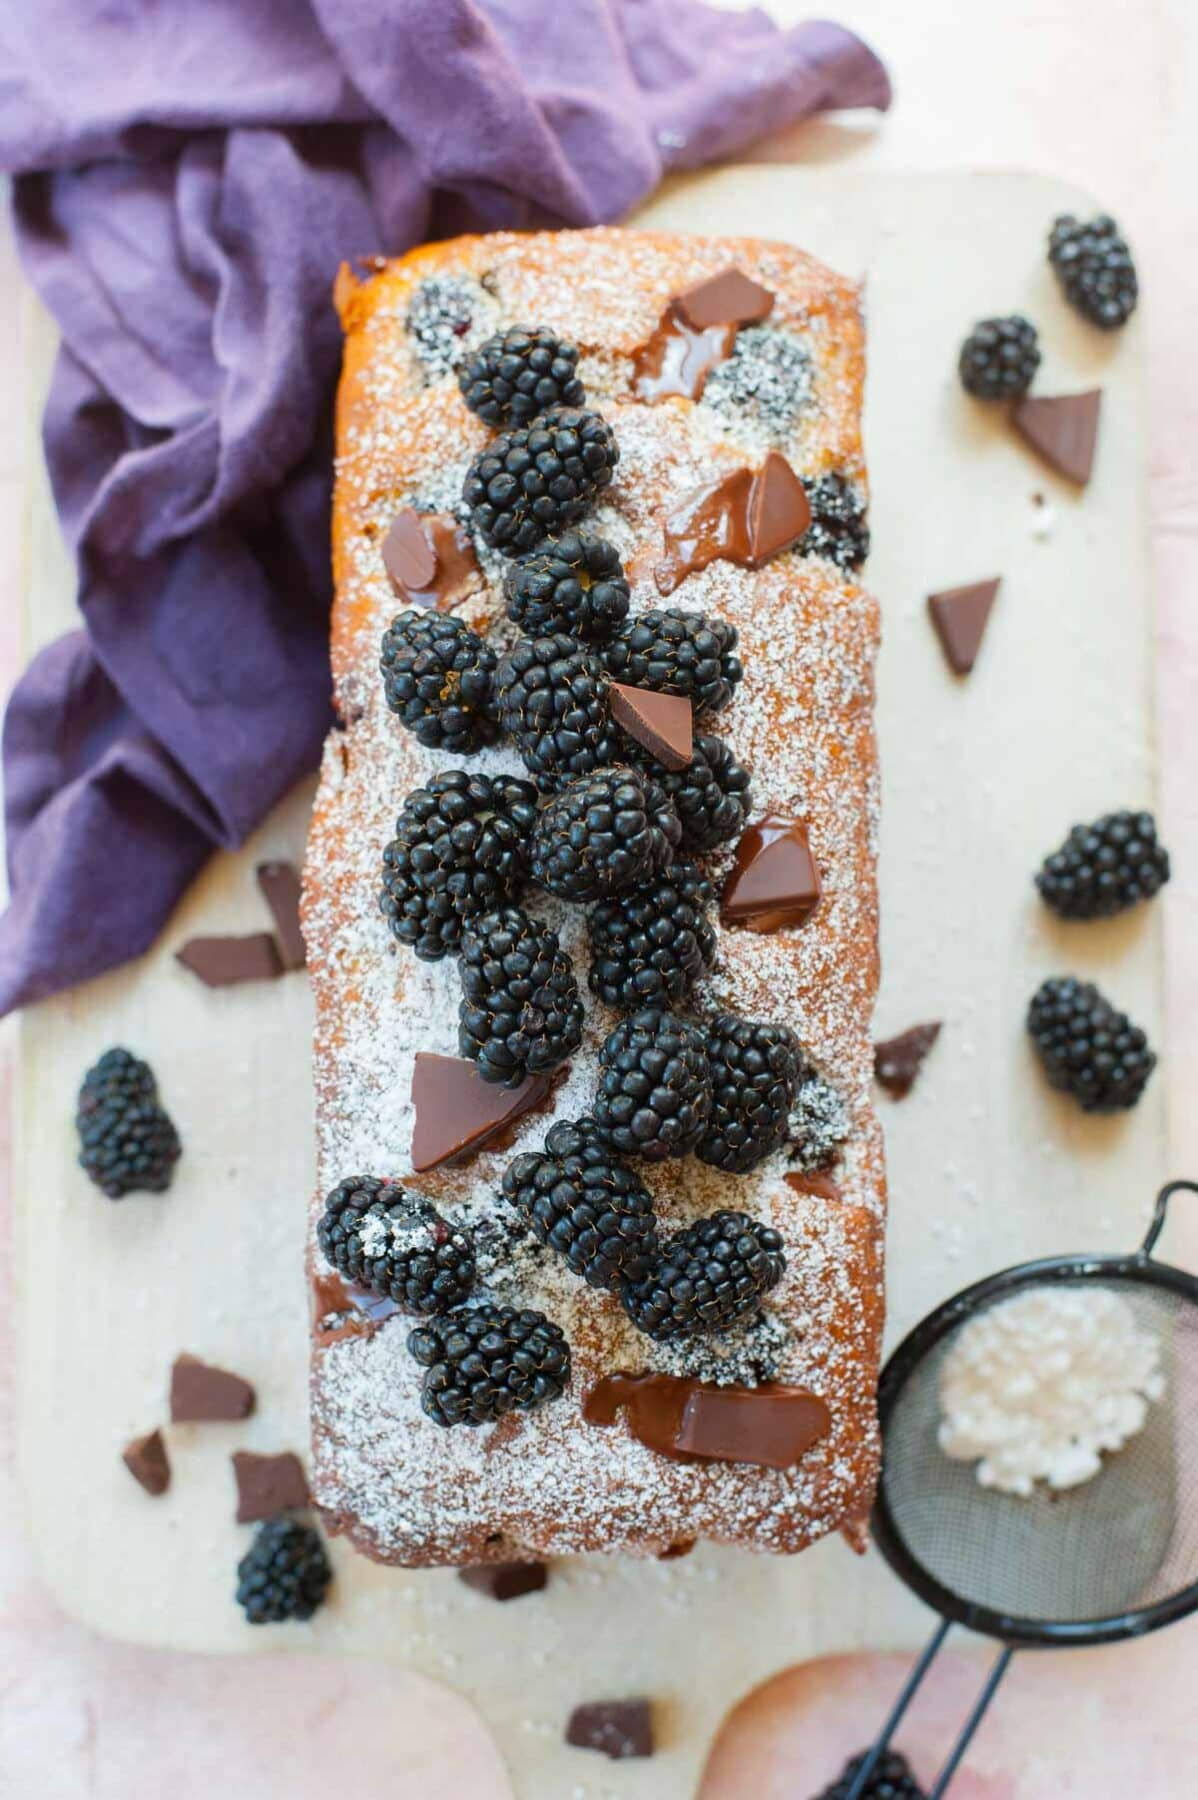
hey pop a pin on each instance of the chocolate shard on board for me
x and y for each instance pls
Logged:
(457, 1112)
(898, 1061)
(1063, 428)
(960, 616)
(779, 510)
(506, 1580)
(729, 298)
(228, 961)
(200, 1392)
(662, 723)
(147, 1462)
(617, 1728)
(280, 885)
(267, 1485)
(408, 555)
(774, 881)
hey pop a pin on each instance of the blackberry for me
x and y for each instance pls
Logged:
(1103, 868)
(654, 1094)
(767, 377)
(1089, 1049)
(396, 1244)
(533, 481)
(521, 372)
(755, 1071)
(438, 677)
(283, 1574)
(707, 1278)
(520, 1013)
(127, 1141)
(485, 1361)
(601, 833)
(458, 851)
(837, 530)
(891, 1780)
(585, 1204)
(711, 795)
(1095, 269)
(574, 583)
(999, 358)
(446, 314)
(649, 946)
(552, 699)
(819, 1123)
(676, 652)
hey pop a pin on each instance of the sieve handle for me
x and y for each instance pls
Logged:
(981, 1705)
(1160, 1212)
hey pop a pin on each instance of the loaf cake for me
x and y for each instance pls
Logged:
(729, 374)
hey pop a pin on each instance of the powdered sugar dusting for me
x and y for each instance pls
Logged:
(406, 1489)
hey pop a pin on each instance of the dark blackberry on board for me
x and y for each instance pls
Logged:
(676, 652)
(552, 699)
(1105, 867)
(601, 833)
(438, 678)
(999, 358)
(654, 1095)
(755, 1072)
(535, 480)
(574, 583)
(376, 1233)
(519, 373)
(521, 1013)
(707, 1278)
(891, 1780)
(484, 1361)
(1095, 269)
(650, 945)
(127, 1140)
(585, 1204)
(284, 1574)
(1089, 1048)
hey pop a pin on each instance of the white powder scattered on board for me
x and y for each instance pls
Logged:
(1040, 1385)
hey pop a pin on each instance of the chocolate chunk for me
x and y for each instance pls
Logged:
(267, 1485)
(1063, 428)
(898, 1061)
(146, 1460)
(677, 359)
(774, 880)
(771, 1426)
(960, 616)
(662, 723)
(280, 885)
(779, 510)
(820, 1186)
(457, 1112)
(506, 1580)
(408, 555)
(617, 1728)
(201, 1392)
(729, 298)
(226, 961)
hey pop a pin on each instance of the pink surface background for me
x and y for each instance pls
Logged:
(1104, 92)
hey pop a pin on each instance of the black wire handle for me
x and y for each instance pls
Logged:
(1160, 1212)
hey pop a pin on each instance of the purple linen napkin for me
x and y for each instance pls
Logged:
(187, 181)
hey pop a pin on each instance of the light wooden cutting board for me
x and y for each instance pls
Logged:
(987, 1167)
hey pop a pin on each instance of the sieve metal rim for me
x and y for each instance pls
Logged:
(1140, 1267)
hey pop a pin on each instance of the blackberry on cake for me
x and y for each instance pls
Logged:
(838, 529)
(521, 1013)
(676, 652)
(650, 945)
(284, 1574)
(999, 358)
(711, 795)
(654, 1095)
(396, 1243)
(767, 378)
(127, 1140)
(574, 583)
(891, 1779)
(485, 1361)
(1105, 867)
(535, 480)
(1089, 1048)
(602, 833)
(585, 1204)
(1095, 269)
(458, 852)
(552, 699)
(519, 373)
(708, 1277)
(445, 314)
(438, 678)
(819, 1123)
(755, 1070)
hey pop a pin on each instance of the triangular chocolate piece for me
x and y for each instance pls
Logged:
(661, 723)
(147, 1462)
(774, 881)
(457, 1112)
(267, 1485)
(898, 1061)
(200, 1391)
(228, 961)
(729, 298)
(1063, 428)
(960, 616)
(779, 510)
(408, 554)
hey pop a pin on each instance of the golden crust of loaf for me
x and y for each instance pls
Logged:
(402, 1488)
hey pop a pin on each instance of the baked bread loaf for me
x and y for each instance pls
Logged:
(787, 385)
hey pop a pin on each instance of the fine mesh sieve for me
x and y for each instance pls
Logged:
(1112, 1558)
